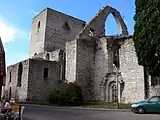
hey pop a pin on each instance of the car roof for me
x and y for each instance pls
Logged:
(156, 96)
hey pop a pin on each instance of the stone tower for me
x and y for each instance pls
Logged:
(51, 29)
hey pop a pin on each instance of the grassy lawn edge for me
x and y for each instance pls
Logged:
(87, 105)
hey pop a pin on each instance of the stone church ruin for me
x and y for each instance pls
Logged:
(66, 48)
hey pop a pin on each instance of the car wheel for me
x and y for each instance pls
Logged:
(140, 110)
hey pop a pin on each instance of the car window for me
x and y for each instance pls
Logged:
(154, 99)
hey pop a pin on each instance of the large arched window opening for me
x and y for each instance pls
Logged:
(98, 23)
(111, 26)
(47, 56)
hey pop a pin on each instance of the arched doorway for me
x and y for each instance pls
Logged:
(112, 92)
(114, 96)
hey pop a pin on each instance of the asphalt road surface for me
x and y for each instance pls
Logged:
(54, 113)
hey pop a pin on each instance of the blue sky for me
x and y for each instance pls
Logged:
(16, 18)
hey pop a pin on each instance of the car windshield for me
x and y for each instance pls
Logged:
(147, 99)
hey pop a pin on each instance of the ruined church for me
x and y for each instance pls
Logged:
(63, 47)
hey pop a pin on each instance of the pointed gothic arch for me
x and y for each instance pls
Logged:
(98, 23)
(111, 27)
(47, 56)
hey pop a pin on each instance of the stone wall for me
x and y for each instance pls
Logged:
(71, 52)
(100, 67)
(85, 66)
(155, 90)
(110, 81)
(33, 84)
(38, 86)
(53, 56)
(60, 28)
(132, 73)
(17, 92)
(38, 34)
(154, 86)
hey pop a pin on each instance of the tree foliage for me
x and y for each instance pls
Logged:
(67, 94)
(147, 34)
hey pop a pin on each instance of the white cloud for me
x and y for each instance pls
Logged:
(9, 32)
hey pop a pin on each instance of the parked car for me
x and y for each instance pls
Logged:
(150, 105)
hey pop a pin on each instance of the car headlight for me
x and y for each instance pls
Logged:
(134, 105)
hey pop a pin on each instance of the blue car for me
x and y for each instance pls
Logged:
(150, 105)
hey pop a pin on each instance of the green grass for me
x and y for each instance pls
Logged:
(105, 105)
(90, 104)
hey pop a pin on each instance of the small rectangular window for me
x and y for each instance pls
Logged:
(20, 71)
(45, 73)
(10, 76)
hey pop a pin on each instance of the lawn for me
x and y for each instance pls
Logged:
(90, 104)
(105, 105)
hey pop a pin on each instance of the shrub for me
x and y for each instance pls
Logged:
(66, 94)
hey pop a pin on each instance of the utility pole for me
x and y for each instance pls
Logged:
(19, 116)
(117, 71)
(117, 87)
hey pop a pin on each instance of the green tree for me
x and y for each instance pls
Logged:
(147, 34)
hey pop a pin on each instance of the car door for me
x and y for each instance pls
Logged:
(158, 105)
(153, 104)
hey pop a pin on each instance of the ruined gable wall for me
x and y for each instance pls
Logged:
(132, 73)
(98, 23)
(84, 57)
(19, 93)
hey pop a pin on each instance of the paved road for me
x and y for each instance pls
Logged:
(51, 113)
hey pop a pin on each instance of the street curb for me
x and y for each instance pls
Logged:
(80, 108)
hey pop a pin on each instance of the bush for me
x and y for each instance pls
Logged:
(67, 94)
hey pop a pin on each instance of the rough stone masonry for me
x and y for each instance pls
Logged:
(66, 48)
